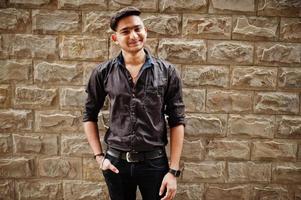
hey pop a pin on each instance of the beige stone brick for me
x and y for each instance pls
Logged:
(193, 150)
(33, 144)
(6, 144)
(253, 78)
(181, 5)
(230, 52)
(253, 126)
(299, 153)
(279, 8)
(289, 78)
(221, 149)
(207, 26)
(229, 101)
(83, 48)
(72, 98)
(15, 120)
(280, 192)
(206, 171)
(91, 170)
(230, 6)
(83, 4)
(75, 145)
(255, 28)
(290, 29)
(194, 100)
(144, 5)
(6, 189)
(32, 46)
(88, 68)
(16, 71)
(31, 97)
(3, 48)
(39, 189)
(288, 126)
(274, 150)
(58, 121)
(199, 75)
(5, 96)
(249, 172)
(14, 20)
(165, 25)
(17, 168)
(29, 3)
(275, 54)
(276, 102)
(60, 72)
(189, 191)
(60, 167)
(82, 190)
(286, 172)
(183, 51)
(97, 22)
(206, 125)
(227, 192)
(57, 21)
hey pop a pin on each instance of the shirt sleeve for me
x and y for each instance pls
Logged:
(175, 109)
(95, 96)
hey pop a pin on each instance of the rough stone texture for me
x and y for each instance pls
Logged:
(220, 149)
(55, 21)
(287, 172)
(289, 78)
(273, 150)
(276, 102)
(15, 120)
(288, 126)
(30, 2)
(82, 4)
(17, 71)
(194, 100)
(83, 48)
(5, 144)
(190, 191)
(17, 167)
(278, 54)
(253, 126)
(253, 78)
(12, 20)
(227, 192)
(228, 6)
(182, 5)
(255, 28)
(75, 145)
(289, 8)
(6, 189)
(226, 52)
(183, 51)
(228, 101)
(91, 170)
(5, 96)
(206, 125)
(34, 189)
(193, 150)
(195, 76)
(207, 26)
(249, 172)
(72, 98)
(290, 29)
(270, 192)
(144, 5)
(96, 22)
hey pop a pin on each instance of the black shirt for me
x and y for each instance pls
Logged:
(137, 120)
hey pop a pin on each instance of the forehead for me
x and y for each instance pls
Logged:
(129, 21)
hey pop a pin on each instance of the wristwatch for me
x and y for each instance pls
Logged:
(174, 172)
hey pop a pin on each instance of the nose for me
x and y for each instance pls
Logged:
(133, 34)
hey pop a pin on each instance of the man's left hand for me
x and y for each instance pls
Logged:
(170, 183)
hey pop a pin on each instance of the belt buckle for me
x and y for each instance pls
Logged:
(129, 157)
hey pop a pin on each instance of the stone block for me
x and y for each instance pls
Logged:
(230, 52)
(14, 20)
(5, 96)
(88, 68)
(274, 150)
(279, 8)
(82, 4)
(6, 144)
(206, 125)
(183, 6)
(207, 26)
(289, 78)
(189, 191)
(16, 71)
(252, 126)
(229, 101)
(72, 98)
(254, 78)
(269, 192)
(83, 48)
(144, 5)
(91, 170)
(255, 28)
(60, 167)
(97, 22)
(221, 149)
(56, 21)
(15, 120)
(7, 189)
(193, 150)
(288, 126)
(195, 76)
(30, 3)
(183, 51)
(290, 29)
(276, 102)
(17, 168)
(75, 145)
(230, 6)
(227, 192)
(194, 100)
(286, 173)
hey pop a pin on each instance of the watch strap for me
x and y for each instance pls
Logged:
(174, 172)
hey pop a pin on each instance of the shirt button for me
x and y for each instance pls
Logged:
(133, 95)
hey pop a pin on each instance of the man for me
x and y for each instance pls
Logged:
(141, 89)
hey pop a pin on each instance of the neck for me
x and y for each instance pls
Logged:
(134, 58)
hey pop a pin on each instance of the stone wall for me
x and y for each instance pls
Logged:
(240, 63)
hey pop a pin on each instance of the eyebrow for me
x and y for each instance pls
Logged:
(133, 27)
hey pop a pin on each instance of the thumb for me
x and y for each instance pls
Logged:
(113, 169)
(163, 185)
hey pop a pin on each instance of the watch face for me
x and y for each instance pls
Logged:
(176, 173)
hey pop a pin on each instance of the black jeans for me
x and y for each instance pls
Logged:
(147, 175)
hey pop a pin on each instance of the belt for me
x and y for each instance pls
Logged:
(133, 156)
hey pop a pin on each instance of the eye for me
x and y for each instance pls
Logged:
(138, 29)
(125, 32)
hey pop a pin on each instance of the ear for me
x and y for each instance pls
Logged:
(114, 37)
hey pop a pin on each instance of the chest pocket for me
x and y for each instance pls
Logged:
(153, 101)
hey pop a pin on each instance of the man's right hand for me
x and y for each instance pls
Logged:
(105, 164)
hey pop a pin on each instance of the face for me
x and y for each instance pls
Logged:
(130, 34)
